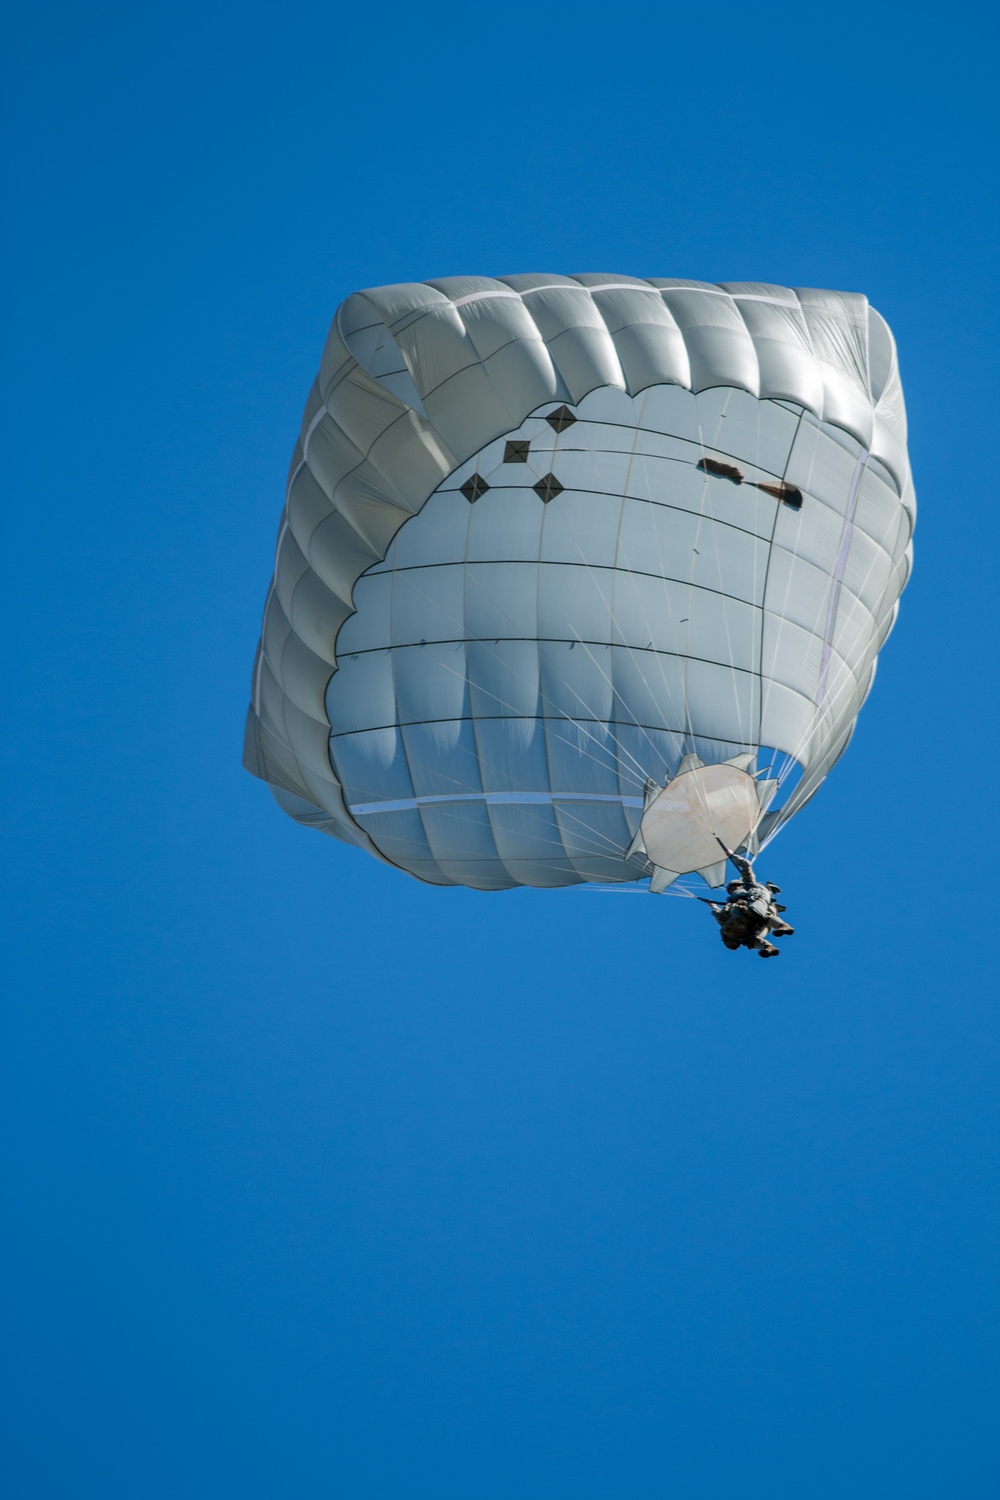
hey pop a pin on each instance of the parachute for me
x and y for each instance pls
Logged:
(579, 575)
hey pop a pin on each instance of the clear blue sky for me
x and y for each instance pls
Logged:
(324, 1184)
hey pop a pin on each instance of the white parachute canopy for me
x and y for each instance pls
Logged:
(579, 575)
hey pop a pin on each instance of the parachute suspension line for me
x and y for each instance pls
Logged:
(637, 659)
(703, 497)
(762, 687)
(664, 570)
(787, 761)
(831, 702)
(627, 570)
(848, 683)
(599, 846)
(743, 728)
(840, 568)
(759, 598)
(640, 661)
(520, 673)
(490, 692)
(689, 736)
(595, 575)
(597, 581)
(701, 515)
(814, 719)
(640, 771)
(598, 584)
(609, 846)
(747, 739)
(620, 556)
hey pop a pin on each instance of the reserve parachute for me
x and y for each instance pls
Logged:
(578, 576)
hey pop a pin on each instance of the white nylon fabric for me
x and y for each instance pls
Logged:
(684, 825)
(471, 670)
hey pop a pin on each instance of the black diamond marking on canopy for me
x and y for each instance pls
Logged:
(561, 418)
(516, 452)
(473, 488)
(548, 488)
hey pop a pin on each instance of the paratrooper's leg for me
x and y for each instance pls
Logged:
(761, 941)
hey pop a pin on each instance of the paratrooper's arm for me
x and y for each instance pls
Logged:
(744, 866)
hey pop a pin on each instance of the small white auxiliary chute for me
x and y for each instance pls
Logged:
(684, 822)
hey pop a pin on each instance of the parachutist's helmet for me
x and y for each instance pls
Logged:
(776, 889)
(733, 885)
